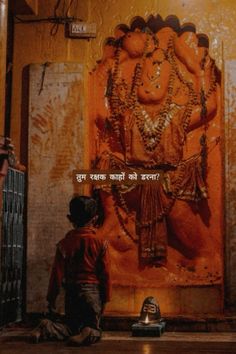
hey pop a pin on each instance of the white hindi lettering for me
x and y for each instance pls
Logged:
(97, 176)
(103, 177)
(133, 176)
(117, 176)
(150, 176)
(80, 177)
(154, 176)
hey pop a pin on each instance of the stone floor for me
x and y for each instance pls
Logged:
(17, 342)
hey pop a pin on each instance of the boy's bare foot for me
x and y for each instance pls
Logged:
(81, 338)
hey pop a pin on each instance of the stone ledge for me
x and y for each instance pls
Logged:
(176, 324)
(183, 323)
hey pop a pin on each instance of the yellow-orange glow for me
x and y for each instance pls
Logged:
(146, 321)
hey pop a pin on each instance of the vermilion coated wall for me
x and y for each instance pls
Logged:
(33, 44)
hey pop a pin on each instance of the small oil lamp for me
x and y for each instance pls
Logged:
(150, 322)
(150, 312)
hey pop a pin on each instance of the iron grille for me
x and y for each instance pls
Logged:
(12, 247)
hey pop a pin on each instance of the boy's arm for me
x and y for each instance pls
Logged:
(105, 280)
(56, 277)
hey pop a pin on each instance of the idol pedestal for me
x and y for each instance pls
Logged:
(148, 330)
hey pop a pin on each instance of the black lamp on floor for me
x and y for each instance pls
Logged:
(150, 323)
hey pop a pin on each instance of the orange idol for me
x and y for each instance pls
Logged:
(155, 106)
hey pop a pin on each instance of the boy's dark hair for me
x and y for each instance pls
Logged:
(82, 210)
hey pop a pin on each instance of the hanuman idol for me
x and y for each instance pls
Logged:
(153, 88)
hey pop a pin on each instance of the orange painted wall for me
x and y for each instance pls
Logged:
(33, 44)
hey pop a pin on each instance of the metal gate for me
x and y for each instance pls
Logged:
(12, 248)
